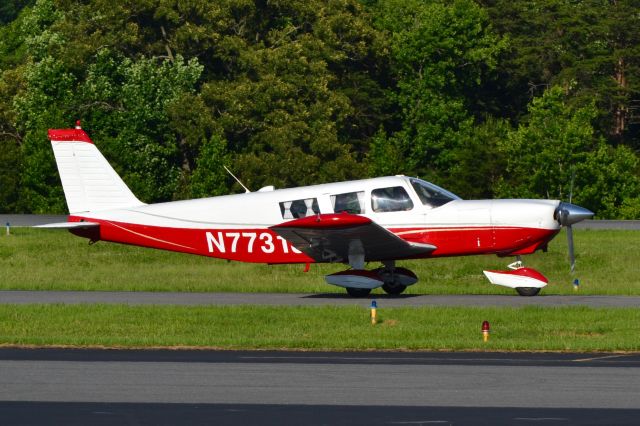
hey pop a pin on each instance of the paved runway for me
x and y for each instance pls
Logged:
(212, 387)
(302, 299)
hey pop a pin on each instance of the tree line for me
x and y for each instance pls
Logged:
(487, 98)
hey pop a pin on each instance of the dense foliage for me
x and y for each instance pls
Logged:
(518, 98)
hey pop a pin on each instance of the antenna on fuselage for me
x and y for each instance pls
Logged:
(246, 190)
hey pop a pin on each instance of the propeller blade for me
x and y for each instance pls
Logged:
(567, 214)
(573, 178)
(572, 257)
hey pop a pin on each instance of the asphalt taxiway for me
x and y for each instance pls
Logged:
(65, 386)
(305, 299)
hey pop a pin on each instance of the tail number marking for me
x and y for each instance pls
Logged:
(220, 241)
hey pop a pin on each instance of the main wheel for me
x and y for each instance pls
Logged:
(358, 292)
(393, 288)
(397, 281)
(527, 291)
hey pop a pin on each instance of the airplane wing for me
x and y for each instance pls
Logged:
(332, 237)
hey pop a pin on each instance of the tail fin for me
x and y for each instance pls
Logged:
(89, 182)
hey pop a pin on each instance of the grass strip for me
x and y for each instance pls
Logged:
(39, 259)
(320, 328)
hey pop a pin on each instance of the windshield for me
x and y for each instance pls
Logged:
(432, 195)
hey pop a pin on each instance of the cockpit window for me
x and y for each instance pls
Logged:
(393, 199)
(432, 195)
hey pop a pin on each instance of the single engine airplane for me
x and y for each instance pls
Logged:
(383, 219)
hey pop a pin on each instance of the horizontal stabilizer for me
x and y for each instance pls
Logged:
(69, 225)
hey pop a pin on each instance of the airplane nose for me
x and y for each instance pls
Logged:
(567, 214)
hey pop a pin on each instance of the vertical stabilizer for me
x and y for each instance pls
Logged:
(89, 182)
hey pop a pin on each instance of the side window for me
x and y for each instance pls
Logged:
(393, 199)
(350, 202)
(297, 209)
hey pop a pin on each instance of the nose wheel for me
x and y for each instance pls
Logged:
(528, 291)
(524, 291)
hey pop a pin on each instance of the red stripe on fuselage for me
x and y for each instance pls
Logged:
(462, 241)
(261, 245)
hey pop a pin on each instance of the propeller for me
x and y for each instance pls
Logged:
(567, 214)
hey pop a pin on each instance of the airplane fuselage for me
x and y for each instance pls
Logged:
(237, 227)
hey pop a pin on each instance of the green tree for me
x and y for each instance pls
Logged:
(287, 105)
(210, 178)
(592, 46)
(9, 9)
(130, 104)
(47, 102)
(556, 144)
(441, 52)
(9, 177)
(11, 82)
(478, 163)
(12, 68)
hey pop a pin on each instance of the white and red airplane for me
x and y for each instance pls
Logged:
(382, 219)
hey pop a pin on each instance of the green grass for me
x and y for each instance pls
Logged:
(317, 328)
(45, 259)
(32, 259)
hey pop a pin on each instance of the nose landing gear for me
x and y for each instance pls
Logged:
(526, 281)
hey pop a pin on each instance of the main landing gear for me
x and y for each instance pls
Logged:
(360, 282)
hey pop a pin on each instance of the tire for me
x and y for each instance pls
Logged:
(527, 291)
(394, 289)
(358, 292)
